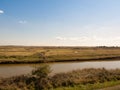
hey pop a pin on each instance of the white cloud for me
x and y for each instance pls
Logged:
(93, 38)
(1, 11)
(73, 38)
(89, 41)
(61, 38)
(22, 22)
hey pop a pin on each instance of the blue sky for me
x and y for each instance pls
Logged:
(60, 22)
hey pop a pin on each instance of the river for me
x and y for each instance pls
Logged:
(8, 70)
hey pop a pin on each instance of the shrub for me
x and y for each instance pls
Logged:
(41, 71)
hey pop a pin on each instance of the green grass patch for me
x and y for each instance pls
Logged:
(90, 86)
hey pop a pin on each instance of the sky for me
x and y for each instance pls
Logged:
(60, 22)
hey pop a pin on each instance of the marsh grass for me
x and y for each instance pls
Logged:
(20, 54)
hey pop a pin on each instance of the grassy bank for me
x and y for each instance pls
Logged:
(22, 54)
(39, 79)
(96, 86)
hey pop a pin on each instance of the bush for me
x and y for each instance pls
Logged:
(41, 71)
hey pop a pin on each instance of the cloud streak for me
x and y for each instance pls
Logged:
(1, 11)
(94, 38)
(22, 22)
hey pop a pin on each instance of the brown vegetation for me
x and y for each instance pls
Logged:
(39, 79)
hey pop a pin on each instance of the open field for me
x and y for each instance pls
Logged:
(31, 54)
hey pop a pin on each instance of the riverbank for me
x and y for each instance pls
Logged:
(53, 61)
(30, 54)
(85, 79)
(111, 85)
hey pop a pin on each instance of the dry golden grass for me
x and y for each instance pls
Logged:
(58, 53)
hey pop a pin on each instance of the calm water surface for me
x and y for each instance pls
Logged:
(19, 69)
